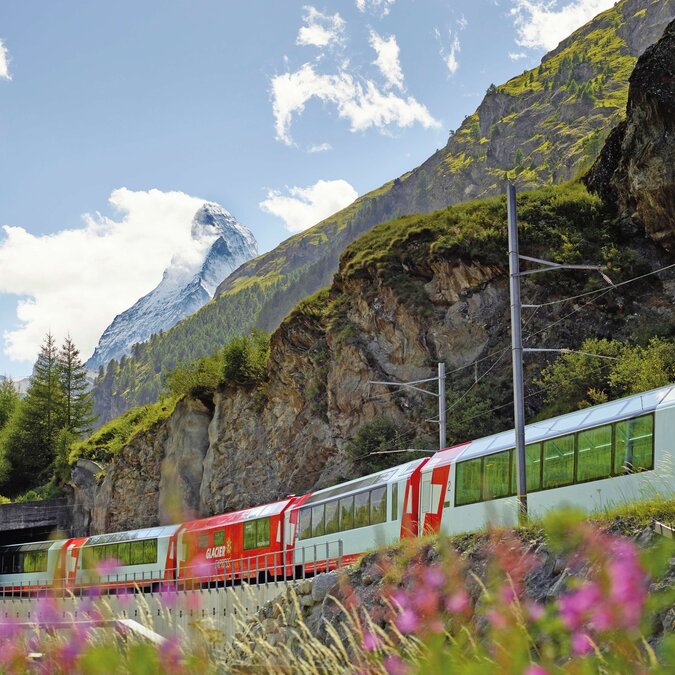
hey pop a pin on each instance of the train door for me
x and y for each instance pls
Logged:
(433, 498)
(72, 552)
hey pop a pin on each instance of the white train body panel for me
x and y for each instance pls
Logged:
(352, 542)
(31, 579)
(129, 573)
(593, 495)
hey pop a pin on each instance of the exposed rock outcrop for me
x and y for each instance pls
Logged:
(636, 170)
(154, 479)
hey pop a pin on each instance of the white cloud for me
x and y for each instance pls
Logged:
(462, 22)
(517, 56)
(387, 59)
(360, 102)
(4, 62)
(542, 24)
(449, 55)
(321, 147)
(303, 207)
(378, 7)
(451, 59)
(320, 29)
(77, 280)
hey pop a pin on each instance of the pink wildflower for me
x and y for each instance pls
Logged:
(535, 610)
(628, 583)
(576, 606)
(426, 601)
(48, 610)
(458, 602)
(170, 656)
(394, 666)
(496, 618)
(434, 577)
(370, 641)
(407, 622)
(436, 626)
(581, 643)
(507, 594)
(534, 669)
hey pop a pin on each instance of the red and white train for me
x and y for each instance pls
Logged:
(593, 458)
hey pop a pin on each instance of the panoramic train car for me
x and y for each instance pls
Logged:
(592, 458)
(30, 567)
(241, 545)
(351, 518)
(126, 559)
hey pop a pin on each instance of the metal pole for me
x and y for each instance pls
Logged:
(441, 406)
(517, 352)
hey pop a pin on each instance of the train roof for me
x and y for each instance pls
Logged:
(605, 413)
(132, 535)
(34, 545)
(381, 477)
(264, 511)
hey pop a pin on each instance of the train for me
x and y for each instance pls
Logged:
(593, 458)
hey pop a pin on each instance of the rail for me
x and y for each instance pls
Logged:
(263, 568)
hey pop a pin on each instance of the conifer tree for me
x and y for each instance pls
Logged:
(29, 445)
(77, 402)
(9, 399)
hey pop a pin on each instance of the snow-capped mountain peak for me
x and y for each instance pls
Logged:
(219, 244)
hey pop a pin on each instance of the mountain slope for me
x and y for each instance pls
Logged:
(187, 284)
(557, 115)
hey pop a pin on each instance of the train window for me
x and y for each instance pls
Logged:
(124, 553)
(468, 481)
(110, 552)
(532, 468)
(318, 528)
(559, 461)
(305, 524)
(378, 505)
(634, 444)
(362, 509)
(594, 453)
(394, 501)
(332, 517)
(150, 551)
(249, 535)
(35, 561)
(219, 538)
(136, 552)
(203, 540)
(262, 532)
(346, 513)
(496, 475)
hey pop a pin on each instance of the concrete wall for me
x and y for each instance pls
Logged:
(166, 613)
(33, 521)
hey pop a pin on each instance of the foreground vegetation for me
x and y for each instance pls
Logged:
(467, 605)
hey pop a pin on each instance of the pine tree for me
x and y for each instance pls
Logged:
(77, 399)
(9, 399)
(30, 443)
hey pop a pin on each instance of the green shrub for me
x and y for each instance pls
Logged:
(197, 379)
(381, 435)
(245, 358)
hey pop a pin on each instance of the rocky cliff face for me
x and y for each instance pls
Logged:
(220, 245)
(636, 169)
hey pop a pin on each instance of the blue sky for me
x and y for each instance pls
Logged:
(114, 117)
